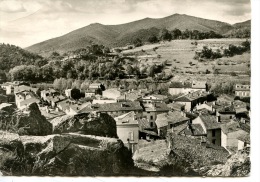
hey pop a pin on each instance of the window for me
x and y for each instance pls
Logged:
(151, 124)
(213, 133)
(151, 117)
(214, 141)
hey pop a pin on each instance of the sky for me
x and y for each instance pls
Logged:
(26, 22)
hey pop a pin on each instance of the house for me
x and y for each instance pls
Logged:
(68, 93)
(155, 98)
(131, 95)
(151, 110)
(112, 93)
(225, 113)
(242, 90)
(211, 128)
(22, 96)
(54, 99)
(191, 100)
(230, 134)
(96, 86)
(8, 87)
(175, 106)
(170, 120)
(92, 92)
(209, 106)
(21, 88)
(47, 93)
(23, 104)
(128, 130)
(176, 88)
(243, 141)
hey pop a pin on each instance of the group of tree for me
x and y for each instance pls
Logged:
(167, 35)
(208, 53)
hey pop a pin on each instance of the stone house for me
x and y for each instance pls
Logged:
(242, 90)
(176, 88)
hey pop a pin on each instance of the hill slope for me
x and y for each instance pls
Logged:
(111, 35)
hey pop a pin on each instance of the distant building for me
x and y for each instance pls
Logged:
(242, 90)
(190, 100)
(170, 120)
(68, 93)
(47, 93)
(92, 92)
(151, 111)
(231, 133)
(210, 127)
(176, 88)
(112, 93)
(155, 98)
(24, 98)
(131, 95)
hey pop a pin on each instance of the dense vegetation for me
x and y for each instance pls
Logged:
(11, 56)
(208, 53)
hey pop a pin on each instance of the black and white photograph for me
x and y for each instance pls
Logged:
(125, 88)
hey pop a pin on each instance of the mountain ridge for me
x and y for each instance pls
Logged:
(117, 35)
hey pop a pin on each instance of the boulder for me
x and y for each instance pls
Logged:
(237, 165)
(99, 124)
(69, 154)
(24, 122)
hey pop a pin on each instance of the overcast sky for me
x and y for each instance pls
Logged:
(26, 22)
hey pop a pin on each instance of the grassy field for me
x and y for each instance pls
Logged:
(180, 53)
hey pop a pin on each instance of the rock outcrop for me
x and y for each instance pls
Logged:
(26, 122)
(31, 122)
(99, 124)
(237, 165)
(68, 154)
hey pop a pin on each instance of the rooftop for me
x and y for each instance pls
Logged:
(170, 118)
(128, 118)
(209, 121)
(192, 96)
(155, 107)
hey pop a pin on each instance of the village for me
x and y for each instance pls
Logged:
(142, 117)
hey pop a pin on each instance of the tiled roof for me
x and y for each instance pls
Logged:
(171, 117)
(155, 107)
(128, 118)
(114, 107)
(157, 96)
(55, 98)
(226, 109)
(199, 85)
(22, 88)
(195, 130)
(192, 96)
(176, 106)
(245, 137)
(131, 96)
(143, 124)
(209, 121)
(29, 101)
(230, 127)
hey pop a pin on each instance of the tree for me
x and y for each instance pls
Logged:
(57, 84)
(165, 35)
(153, 39)
(75, 94)
(138, 42)
(176, 33)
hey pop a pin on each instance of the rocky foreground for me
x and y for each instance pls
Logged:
(87, 145)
